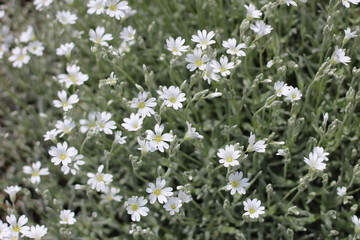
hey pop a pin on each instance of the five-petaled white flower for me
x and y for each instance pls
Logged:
(172, 97)
(281, 89)
(128, 34)
(341, 191)
(62, 154)
(315, 163)
(356, 221)
(251, 12)
(191, 132)
(119, 139)
(76, 161)
(173, 205)
(104, 124)
(115, 8)
(51, 135)
(99, 37)
(12, 191)
(99, 180)
(35, 171)
(160, 140)
(110, 194)
(349, 34)
(176, 46)
(340, 57)
(145, 107)
(346, 3)
(36, 48)
(293, 94)
(28, 35)
(136, 208)
(223, 67)
(17, 226)
(146, 146)
(65, 126)
(158, 191)
(253, 208)
(73, 76)
(185, 198)
(66, 17)
(320, 152)
(65, 49)
(36, 232)
(209, 74)
(19, 57)
(203, 39)
(237, 183)
(260, 28)
(229, 156)
(233, 48)
(133, 123)
(196, 60)
(259, 146)
(64, 102)
(67, 217)
(96, 6)
(89, 123)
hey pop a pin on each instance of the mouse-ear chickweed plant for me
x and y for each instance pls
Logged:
(168, 119)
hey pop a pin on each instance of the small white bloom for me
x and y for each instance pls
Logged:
(36, 48)
(112, 80)
(51, 135)
(76, 161)
(35, 171)
(104, 124)
(341, 191)
(209, 74)
(77, 34)
(315, 163)
(356, 221)
(346, 3)
(19, 57)
(12, 191)
(40, 4)
(65, 126)
(119, 139)
(280, 152)
(281, 89)
(99, 180)
(64, 102)
(136, 208)
(115, 8)
(173, 205)
(184, 198)
(349, 34)
(203, 39)
(260, 28)
(128, 34)
(36, 232)
(146, 146)
(234, 49)
(253, 208)
(133, 123)
(196, 60)
(99, 37)
(215, 94)
(288, 2)
(339, 56)
(229, 156)
(320, 152)
(62, 154)
(160, 140)
(259, 146)
(17, 226)
(172, 97)
(293, 94)
(191, 132)
(96, 6)
(66, 17)
(237, 183)
(251, 12)
(223, 67)
(145, 107)
(65, 49)
(176, 46)
(73, 76)
(67, 217)
(158, 191)
(89, 123)
(110, 194)
(28, 35)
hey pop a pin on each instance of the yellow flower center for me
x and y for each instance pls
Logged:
(98, 40)
(293, 96)
(21, 57)
(222, 69)
(112, 7)
(67, 130)
(92, 125)
(204, 42)
(141, 105)
(72, 78)
(136, 126)
(63, 156)
(100, 178)
(109, 197)
(134, 207)
(16, 229)
(35, 173)
(130, 35)
(158, 138)
(229, 159)
(235, 183)
(157, 192)
(102, 125)
(251, 210)
(173, 99)
(173, 206)
(198, 63)
(65, 104)
(175, 49)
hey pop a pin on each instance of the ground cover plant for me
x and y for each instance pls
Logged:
(167, 119)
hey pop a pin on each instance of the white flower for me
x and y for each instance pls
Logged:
(64, 102)
(73, 76)
(77, 34)
(103, 124)
(196, 60)
(115, 8)
(280, 152)
(315, 163)
(172, 97)
(133, 123)
(62, 154)
(4, 230)
(346, 3)
(356, 221)
(27, 35)
(35, 171)
(281, 89)
(12, 191)
(112, 80)
(118, 138)
(110, 194)
(293, 94)
(36, 48)
(36, 232)
(76, 161)
(229, 156)
(96, 6)
(173, 205)
(259, 146)
(251, 12)
(146, 146)
(320, 152)
(128, 34)
(234, 49)
(19, 57)
(99, 180)
(237, 183)
(176, 46)
(158, 138)
(66, 17)
(349, 34)
(339, 56)
(158, 192)
(65, 126)
(209, 74)
(65, 49)
(89, 123)
(341, 191)
(145, 107)
(136, 207)
(184, 197)
(223, 67)
(67, 217)
(17, 226)
(40, 4)
(5, 35)
(51, 135)
(253, 208)
(203, 39)
(191, 132)
(288, 2)
(260, 28)
(215, 94)
(99, 37)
